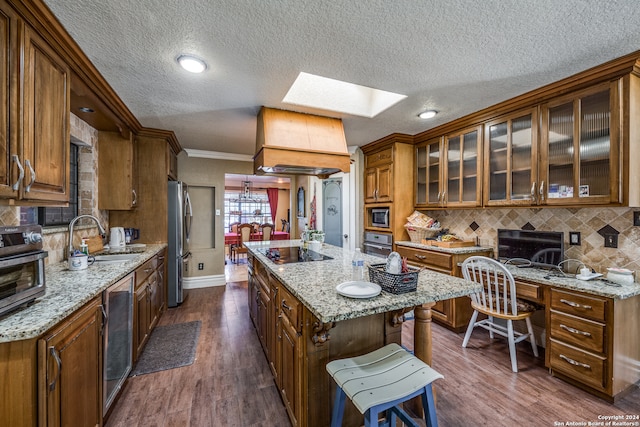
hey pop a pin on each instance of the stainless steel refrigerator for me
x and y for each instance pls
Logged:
(180, 218)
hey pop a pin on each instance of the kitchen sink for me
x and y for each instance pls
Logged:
(115, 258)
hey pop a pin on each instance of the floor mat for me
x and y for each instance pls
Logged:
(170, 346)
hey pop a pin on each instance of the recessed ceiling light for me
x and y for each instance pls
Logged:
(428, 114)
(336, 95)
(86, 110)
(192, 64)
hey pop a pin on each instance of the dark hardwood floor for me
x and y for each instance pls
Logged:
(230, 383)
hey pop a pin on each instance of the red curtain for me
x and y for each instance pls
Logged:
(272, 194)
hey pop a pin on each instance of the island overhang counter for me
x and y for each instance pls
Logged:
(303, 323)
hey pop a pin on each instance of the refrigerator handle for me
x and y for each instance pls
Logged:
(188, 215)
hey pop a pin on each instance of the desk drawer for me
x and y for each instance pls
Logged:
(530, 291)
(577, 331)
(591, 307)
(583, 366)
(289, 306)
(435, 260)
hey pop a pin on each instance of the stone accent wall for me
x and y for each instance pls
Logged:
(587, 221)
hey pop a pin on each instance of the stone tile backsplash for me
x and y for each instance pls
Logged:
(587, 221)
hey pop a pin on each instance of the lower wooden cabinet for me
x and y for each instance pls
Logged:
(592, 341)
(453, 313)
(149, 302)
(70, 370)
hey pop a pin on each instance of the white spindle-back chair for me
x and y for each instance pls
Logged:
(497, 299)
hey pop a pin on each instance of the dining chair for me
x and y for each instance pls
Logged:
(244, 235)
(233, 227)
(267, 231)
(496, 299)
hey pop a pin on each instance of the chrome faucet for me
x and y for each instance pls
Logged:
(73, 221)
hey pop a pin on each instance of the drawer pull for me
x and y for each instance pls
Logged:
(420, 256)
(574, 331)
(284, 305)
(574, 362)
(575, 304)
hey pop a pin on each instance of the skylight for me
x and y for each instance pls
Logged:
(314, 91)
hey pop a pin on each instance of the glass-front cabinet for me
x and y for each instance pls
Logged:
(511, 160)
(448, 170)
(579, 148)
(429, 158)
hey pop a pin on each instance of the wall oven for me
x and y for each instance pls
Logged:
(378, 244)
(380, 217)
(21, 266)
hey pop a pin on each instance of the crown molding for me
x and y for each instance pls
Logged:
(205, 154)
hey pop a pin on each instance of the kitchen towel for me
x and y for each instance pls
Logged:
(170, 346)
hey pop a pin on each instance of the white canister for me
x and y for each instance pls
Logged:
(80, 262)
(620, 275)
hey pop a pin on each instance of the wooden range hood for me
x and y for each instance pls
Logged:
(299, 144)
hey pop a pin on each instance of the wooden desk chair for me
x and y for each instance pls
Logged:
(497, 299)
(244, 235)
(267, 231)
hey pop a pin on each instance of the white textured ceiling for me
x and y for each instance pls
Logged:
(454, 56)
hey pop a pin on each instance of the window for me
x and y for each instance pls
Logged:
(238, 208)
(50, 216)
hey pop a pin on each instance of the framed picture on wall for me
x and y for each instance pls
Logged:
(300, 202)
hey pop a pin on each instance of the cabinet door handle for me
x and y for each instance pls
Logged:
(439, 196)
(33, 175)
(135, 197)
(21, 169)
(574, 362)
(542, 191)
(284, 305)
(575, 304)
(420, 256)
(54, 354)
(533, 190)
(574, 330)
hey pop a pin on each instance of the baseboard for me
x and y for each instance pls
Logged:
(203, 281)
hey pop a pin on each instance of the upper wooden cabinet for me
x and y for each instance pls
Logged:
(388, 181)
(35, 119)
(511, 159)
(9, 64)
(378, 177)
(580, 155)
(117, 183)
(448, 170)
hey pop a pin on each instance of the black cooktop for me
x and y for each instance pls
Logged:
(292, 254)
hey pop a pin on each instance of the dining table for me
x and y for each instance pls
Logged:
(233, 238)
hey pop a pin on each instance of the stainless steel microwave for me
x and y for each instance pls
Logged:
(380, 217)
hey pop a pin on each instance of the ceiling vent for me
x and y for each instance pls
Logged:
(299, 144)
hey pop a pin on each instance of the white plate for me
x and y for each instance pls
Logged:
(357, 289)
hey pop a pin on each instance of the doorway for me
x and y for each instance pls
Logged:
(332, 211)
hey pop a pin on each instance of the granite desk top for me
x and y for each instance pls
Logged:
(559, 279)
(67, 291)
(314, 284)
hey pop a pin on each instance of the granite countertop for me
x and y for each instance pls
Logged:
(314, 284)
(463, 250)
(67, 291)
(559, 279)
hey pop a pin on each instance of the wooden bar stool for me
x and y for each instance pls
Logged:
(379, 382)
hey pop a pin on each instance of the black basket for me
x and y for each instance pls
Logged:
(394, 283)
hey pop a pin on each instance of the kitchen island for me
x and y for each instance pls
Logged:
(303, 323)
